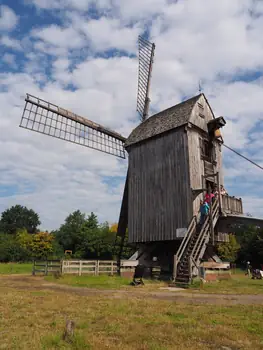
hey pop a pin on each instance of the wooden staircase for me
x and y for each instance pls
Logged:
(193, 246)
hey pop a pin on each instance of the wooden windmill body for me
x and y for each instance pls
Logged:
(174, 156)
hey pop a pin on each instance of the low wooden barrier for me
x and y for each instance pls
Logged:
(97, 267)
(84, 267)
(89, 267)
(46, 267)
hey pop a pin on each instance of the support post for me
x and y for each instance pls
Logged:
(219, 193)
(175, 268)
(211, 224)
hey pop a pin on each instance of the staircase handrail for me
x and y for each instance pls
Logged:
(203, 233)
(184, 243)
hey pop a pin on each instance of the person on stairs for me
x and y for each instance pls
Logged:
(204, 210)
(209, 197)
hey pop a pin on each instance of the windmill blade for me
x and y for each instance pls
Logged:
(46, 118)
(146, 54)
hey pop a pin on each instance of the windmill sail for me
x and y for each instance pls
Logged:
(146, 54)
(46, 118)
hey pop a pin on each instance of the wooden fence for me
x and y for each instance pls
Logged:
(46, 267)
(84, 267)
(96, 267)
(89, 267)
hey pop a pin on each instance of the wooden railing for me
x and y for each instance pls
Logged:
(187, 237)
(232, 205)
(46, 267)
(203, 238)
(83, 267)
(96, 267)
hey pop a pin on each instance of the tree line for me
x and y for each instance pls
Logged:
(86, 238)
(83, 236)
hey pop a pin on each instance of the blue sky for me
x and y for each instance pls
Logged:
(81, 54)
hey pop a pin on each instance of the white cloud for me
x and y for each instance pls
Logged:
(10, 60)
(8, 18)
(62, 4)
(97, 32)
(62, 37)
(10, 42)
(217, 43)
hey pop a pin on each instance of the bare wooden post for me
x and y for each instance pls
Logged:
(112, 267)
(69, 331)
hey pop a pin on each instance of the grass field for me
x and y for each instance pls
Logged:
(238, 284)
(35, 319)
(15, 268)
(101, 282)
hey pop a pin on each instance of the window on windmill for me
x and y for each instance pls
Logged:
(201, 110)
(206, 151)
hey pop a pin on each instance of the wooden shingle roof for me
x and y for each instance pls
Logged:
(163, 121)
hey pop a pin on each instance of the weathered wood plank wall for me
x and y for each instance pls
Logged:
(200, 116)
(196, 166)
(160, 198)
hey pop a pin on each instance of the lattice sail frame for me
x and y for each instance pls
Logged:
(146, 54)
(46, 118)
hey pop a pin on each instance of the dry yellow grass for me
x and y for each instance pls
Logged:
(35, 319)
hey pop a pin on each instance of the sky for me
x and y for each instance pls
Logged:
(82, 55)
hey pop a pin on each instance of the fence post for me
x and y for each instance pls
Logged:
(62, 267)
(112, 267)
(46, 268)
(98, 267)
(80, 267)
(34, 268)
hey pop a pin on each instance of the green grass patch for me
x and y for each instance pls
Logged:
(33, 321)
(16, 268)
(124, 323)
(237, 284)
(100, 282)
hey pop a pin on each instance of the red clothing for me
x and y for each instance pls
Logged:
(209, 197)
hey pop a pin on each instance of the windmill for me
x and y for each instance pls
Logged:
(174, 157)
(49, 119)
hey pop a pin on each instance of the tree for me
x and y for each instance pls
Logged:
(250, 239)
(11, 250)
(42, 245)
(19, 217)
(71, 234)
(228, 251)
(92, 221)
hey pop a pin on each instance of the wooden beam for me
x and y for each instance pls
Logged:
(219, 192)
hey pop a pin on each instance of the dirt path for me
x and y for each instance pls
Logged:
(22, 282)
